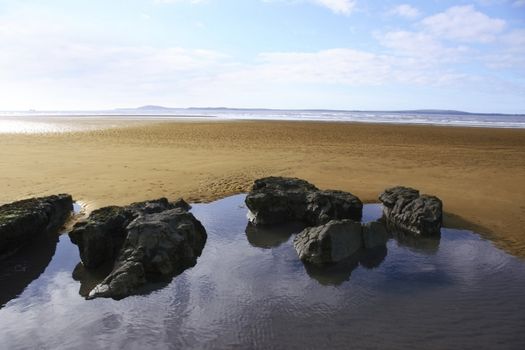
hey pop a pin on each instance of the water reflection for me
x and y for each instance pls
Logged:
(19, 270)
(467, 294)
(90, 278)
(423, 244)
(271, 236)
(336, 274)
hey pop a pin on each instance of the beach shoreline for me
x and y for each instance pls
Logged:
(478, 172)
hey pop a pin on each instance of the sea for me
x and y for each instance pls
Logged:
(418, 117)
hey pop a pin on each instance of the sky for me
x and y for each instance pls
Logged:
(297, 54)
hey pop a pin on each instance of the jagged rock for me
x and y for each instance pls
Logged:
(375, 235)
(323, 206)
(100, 237)
(405, 209)
(275, 200)
(25, 220)
(160, 244)
(146, 241)
(181, 203)
(329, 243)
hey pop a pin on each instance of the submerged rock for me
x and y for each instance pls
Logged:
(145, 241)
(329, 243)
(275, 200)
(23, 221)
(405, 209)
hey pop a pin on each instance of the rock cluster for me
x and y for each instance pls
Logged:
(275, 200)
(405, 209)
(335, 232)
(23, 221)
(144, 242)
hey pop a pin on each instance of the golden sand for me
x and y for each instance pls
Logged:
(479, 173)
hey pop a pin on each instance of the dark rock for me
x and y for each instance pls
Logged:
(375, 235)
(181, 203)
(101, 236)
(157, 245)
(275, 200)
(323, 206)
(23, 221)
(405, 209)
(329, 243)
(143, 241)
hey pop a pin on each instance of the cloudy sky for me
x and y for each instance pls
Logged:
(338, 54)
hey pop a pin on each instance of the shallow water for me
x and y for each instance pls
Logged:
(64, 121)
(250, 292)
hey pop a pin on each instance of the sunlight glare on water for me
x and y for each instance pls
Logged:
(29, 127)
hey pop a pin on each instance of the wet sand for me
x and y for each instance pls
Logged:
(478, 172)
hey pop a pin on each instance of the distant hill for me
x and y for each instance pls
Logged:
(153, 108)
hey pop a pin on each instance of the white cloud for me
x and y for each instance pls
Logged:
(335, 66)
(63, 63)
(344, 7)
(179, 1)
(511, 53)
(519, 3)
(405, 11)
(463, 23)
(421, 46)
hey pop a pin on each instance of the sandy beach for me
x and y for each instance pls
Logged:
(479, 173)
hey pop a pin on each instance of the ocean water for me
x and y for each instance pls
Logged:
(55, 121)
(249, 290)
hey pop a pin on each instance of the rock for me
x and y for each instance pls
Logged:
(145, 242)
(275, 200)
(181, 203)
(329, 243)
(157, 245)
(323, 206)
(101, 236)
(405, 209)
(375, 235)
(25, 220)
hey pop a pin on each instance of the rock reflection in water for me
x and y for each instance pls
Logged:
(271, 236)
(467, 295)
(90, 278)
(418, 243)
(22, 268)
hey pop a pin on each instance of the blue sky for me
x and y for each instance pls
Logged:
(334, 54)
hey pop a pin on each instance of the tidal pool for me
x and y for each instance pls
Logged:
(250, 291)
